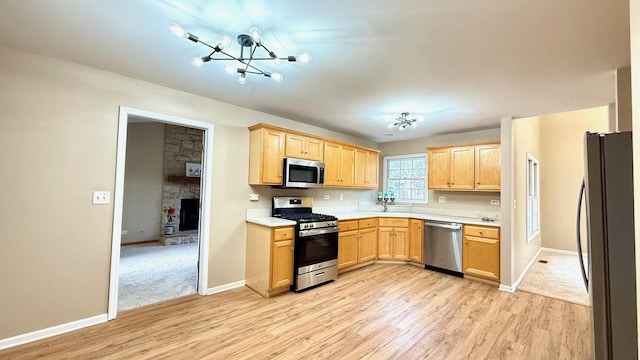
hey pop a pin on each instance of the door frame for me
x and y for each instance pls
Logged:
(205, 200)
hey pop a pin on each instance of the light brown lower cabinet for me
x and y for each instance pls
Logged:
(269, 265)
(393, 239)
(416, 241)
(481, 251)
(357, 242)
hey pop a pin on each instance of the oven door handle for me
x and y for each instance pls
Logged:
(311, 232)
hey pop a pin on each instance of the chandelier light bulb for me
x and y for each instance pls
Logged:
(177, 30)
(197, 62)
(277, 61)
(401, 128)
(242, 79)
(304, 58)
(255, 34)
(226, 41)
(277, 77)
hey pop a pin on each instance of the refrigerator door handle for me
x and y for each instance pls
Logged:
(584, 271)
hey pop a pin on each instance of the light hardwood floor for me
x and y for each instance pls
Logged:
(377, 312)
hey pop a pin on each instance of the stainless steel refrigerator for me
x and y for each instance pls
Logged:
(611, 280)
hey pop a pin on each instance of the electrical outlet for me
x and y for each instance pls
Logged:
(442, 199)
(326, 197)
(101, 197)
(341, 197)
(124, 232)
(495, 202)
(254, 197)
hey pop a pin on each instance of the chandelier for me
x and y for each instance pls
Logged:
(403, 121)
(245, 63)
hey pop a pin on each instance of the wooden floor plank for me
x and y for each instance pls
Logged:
(382, 311)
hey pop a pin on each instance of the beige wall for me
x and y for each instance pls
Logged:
(623, 99)
(61, 120)
(526, 140)
(476, 201)
(561, 171)
(634, 10)
(143, 182)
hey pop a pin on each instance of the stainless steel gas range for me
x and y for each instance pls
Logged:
(315, 259)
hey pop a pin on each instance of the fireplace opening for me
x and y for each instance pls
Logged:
(189, 214)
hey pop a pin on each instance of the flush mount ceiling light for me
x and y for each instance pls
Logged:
(403, 121)
(243, 63)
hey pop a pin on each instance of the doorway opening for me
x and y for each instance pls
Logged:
(181, 226)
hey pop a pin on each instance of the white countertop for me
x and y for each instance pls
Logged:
(274, 222)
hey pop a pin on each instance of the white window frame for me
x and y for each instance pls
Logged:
(533, 197)
(426, 176)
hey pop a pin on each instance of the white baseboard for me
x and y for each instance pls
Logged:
(507, 288)
(567, 252)
(225, 287)
(52, 331)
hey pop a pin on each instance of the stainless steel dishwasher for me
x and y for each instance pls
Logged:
(443, 247)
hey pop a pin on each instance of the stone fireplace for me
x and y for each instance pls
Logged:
(182, 145)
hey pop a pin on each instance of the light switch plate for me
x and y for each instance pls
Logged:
(254, 197)
(326, 197)
(101, 197)
(442, 199)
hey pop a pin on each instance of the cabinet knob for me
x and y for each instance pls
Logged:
(481, 233)
(478, 182)
(291, 248)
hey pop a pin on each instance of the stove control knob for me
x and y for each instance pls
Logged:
(311, 226)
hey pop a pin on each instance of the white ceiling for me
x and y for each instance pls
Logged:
(459, 64)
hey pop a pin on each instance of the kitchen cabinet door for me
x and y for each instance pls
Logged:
(481, 252)
(416, 241)
(265, 156)
(400, 244)
(367, 245)
(487, 167)
(347, 249)
(282, 263)
(385, 238)
(439, 168)
(339, 165)
(304, 147)
(462, 168)
(366, 168)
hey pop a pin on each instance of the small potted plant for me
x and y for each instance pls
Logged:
(169, 214)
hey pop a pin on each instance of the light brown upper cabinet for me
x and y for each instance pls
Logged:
(338, 164)
(304, 147)
(366, 168)
(266, 152)
(469, 167)
(346, 165)
(488, 167)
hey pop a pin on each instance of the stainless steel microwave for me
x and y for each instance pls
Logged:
(300, 173)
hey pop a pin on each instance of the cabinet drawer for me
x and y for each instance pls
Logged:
(282, 233)
(367, 223)
(348, 225)
(393, 222)
(482, 231)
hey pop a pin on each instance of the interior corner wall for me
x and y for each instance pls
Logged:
(526, 140)
(142, 203)
(562, 170)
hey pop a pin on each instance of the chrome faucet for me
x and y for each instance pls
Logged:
(386, 200)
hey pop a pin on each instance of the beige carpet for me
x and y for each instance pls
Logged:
(559, 278)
